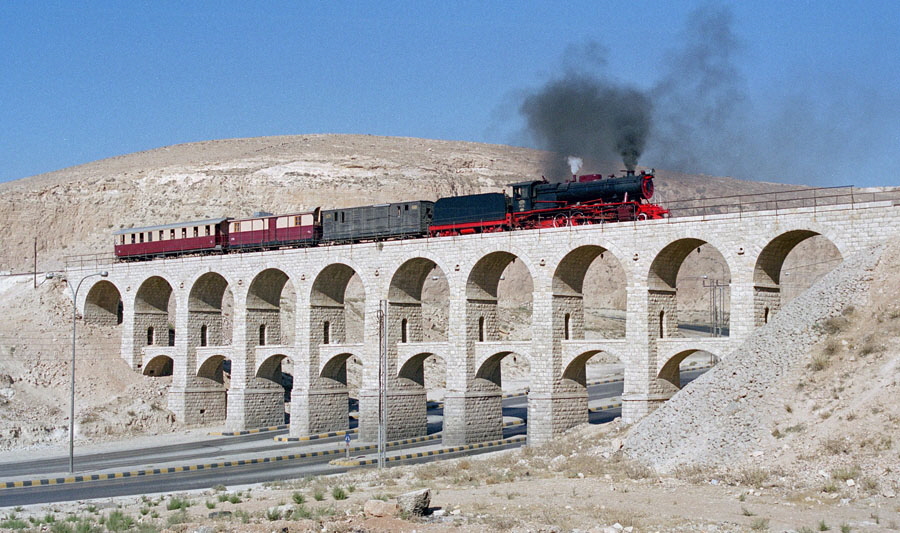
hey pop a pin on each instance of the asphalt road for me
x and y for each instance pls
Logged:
(220, 449)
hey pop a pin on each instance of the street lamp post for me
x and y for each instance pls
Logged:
(51, 275)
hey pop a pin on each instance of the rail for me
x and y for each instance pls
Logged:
(776, 201)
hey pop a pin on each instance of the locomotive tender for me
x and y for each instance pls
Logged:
(588, 199)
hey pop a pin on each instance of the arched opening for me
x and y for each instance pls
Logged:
(503, 372)
(269, 319)
(337, 317)
(589, 367)
(426, 373)
(154, 314)
(418, 298)
(159, 366)
(787, 266)
(589, 292)
(662, 324)
(103, 305)
(210, 303)
(690, 282)
(171, 336)
(499, 299)
(683, 368)
(270, 308)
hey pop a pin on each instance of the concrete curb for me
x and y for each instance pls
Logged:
(316, 437)
(606, 407)
(430, 453)
(247, 431)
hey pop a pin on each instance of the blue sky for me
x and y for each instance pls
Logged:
(813, 87)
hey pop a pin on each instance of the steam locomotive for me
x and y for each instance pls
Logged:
(588, 199)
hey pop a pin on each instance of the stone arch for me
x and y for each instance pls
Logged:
(266, 306)
(483, 295)
(419, 299)
(669, 377)
(205, 310)
(212, 368)
(328, 305)
(270, 368)
(768, 296)
(103, 304)
(489, 369)
(160, 365)
(154, 310)
(662, 281)
(569, 292)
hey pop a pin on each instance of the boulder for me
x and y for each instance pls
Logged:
(415, 503)
(378, 508)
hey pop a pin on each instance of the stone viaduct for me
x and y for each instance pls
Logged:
(314, 337)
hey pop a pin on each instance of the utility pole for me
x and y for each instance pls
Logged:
(382, 380)
(34, 270)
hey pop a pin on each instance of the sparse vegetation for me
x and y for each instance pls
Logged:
(760, 524)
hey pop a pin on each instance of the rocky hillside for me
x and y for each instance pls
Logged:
(810, 397)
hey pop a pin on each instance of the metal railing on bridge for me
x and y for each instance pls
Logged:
(776, 201)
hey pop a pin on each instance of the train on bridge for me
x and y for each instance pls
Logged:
(585, 200)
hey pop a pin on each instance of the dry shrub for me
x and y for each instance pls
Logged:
(692, 473)
(843, 474)
(819, 362)
(835, 325)
(832, 347)
(753, 477)
(836, 446)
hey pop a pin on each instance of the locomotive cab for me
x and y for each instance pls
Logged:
(523, 196)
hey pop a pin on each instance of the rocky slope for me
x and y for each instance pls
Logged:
(810, 397)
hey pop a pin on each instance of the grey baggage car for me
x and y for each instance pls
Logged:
(374, 222)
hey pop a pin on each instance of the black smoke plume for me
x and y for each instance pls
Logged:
(581, 115)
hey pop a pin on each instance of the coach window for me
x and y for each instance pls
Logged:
(132, 238)
(196, 231)
(297, 221)
(184, 233)
(207, 231)
(149, 236)
(162, 235)
(141, 237)
(342, 217)
(172, 234)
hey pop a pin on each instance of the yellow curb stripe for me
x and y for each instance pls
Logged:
(430, 453)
